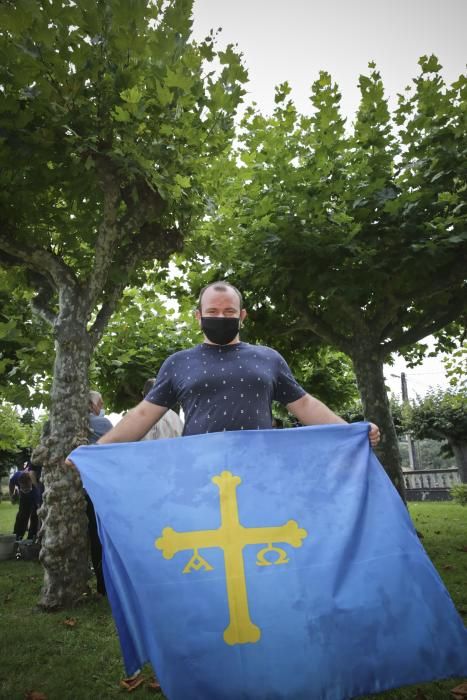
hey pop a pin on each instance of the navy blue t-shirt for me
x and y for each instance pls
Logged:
(225, 387)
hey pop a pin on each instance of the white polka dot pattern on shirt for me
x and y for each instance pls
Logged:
(227, 387)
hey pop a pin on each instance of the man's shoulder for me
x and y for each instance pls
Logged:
(262, 350)
(183, 354)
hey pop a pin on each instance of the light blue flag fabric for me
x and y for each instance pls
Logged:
(268, 564)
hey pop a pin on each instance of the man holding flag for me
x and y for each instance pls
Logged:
(224, 384)
(261, 563)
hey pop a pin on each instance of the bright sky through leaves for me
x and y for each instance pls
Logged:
(294, 40)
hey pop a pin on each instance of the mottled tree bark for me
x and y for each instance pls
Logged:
(367, 355)
(64, 553)
(368, 367)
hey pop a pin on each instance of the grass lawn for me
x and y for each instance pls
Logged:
(74, 654)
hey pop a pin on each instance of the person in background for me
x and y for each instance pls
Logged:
(169, 426)
(29, 502)
(38, 454)
(98, 423)
(98, 426)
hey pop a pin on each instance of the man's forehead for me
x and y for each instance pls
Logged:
(227, 297)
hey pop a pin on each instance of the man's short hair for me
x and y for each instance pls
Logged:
(220, 287)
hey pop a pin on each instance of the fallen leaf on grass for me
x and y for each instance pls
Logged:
(420, 696)
(70, 622)
(8, 597)
(447, 567)
(460, 691)
(463, 549)
(34, 695)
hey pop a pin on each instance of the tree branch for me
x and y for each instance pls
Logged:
(153, 242)
(323, 330)
(386, 320)
(428, 326)
(297, 328)
(316, 324)
(41, 303)
(147, 206)
(41, 260)
(452, 274)
(386, 313)
(394, 328)
(107, 238)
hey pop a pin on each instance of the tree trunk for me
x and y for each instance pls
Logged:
(368, 367)
(460, 455)
(64, 553)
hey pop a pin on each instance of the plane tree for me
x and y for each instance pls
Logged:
(109, 118)
(352, 235)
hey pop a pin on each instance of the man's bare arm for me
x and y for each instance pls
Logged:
(311, 411)
(135, 424)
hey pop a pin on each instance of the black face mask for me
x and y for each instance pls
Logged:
(220, 330)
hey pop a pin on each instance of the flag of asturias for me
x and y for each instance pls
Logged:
(268, 564)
